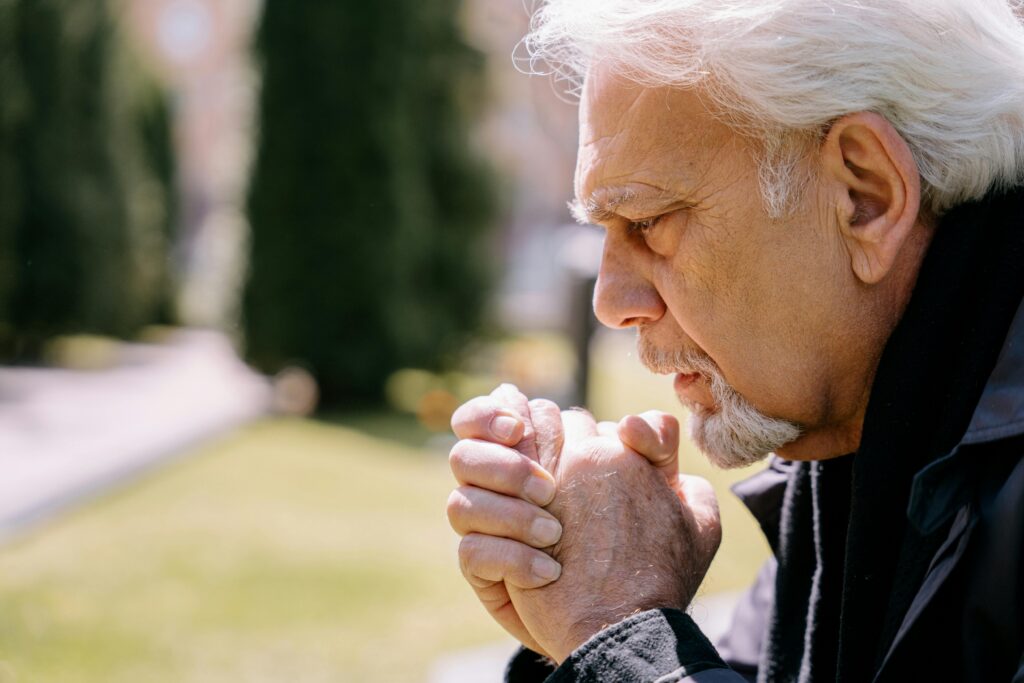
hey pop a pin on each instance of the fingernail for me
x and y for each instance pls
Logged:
(546, 531)
(539, 490)
(504, 426)
(546, 568)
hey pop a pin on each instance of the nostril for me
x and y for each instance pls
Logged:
(627, 303)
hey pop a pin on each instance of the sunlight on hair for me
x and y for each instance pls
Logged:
(948, 74)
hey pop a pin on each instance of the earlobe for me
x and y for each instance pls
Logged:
(877, 191)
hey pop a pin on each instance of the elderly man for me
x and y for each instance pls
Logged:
(812, 220)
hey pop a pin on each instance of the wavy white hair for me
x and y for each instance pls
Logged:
(948, 74)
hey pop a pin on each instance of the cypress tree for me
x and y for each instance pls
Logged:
(85, 210)
(369, 211)
(13, 109)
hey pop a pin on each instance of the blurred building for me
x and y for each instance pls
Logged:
(531, 133)
(201, 49)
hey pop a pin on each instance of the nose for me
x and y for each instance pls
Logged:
(624, 295)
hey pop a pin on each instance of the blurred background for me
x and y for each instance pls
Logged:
(252, 256)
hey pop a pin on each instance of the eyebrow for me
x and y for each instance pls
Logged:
(603, 204)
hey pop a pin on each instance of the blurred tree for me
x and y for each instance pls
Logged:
(369, 211)
(12, 114)
(85, 191)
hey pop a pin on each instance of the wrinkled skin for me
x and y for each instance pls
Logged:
(636, 536)
(630, 543)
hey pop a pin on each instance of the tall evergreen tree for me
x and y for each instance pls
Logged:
(84, 208)
(13, 110)
(369, 212)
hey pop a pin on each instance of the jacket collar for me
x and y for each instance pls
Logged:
(1000, 412)
(945, 485)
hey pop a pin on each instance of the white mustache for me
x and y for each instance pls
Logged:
(666, 362)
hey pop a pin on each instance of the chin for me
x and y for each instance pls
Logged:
(730, 441)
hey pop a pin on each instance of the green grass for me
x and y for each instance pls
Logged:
(290, 551)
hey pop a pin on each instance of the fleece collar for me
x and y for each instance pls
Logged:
(1000, 412)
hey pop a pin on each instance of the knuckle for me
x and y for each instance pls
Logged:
(508, 556)
(482, 556)
(577, 411)
(456, 508)
(458, 457)
(519, 558)
(544, 405)
(518, 521)
(455, 454)
(629, 462)
(601, 449)
(519, 471)
(514, 476)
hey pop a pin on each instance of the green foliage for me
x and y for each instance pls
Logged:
(369, 211)
(83, 197)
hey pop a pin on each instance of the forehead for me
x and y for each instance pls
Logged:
(635, 135)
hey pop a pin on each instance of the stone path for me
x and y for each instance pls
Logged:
(66, 434)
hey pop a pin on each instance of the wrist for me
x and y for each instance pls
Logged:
(584, 630)
(647, 646)
(576, 636)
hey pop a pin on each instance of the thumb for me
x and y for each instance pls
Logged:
(654, 435)
(511, 398)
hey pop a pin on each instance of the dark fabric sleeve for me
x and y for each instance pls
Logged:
(657, 645)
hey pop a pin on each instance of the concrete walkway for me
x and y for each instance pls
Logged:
(66, 435)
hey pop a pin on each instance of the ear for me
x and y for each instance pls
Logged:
(878, 191)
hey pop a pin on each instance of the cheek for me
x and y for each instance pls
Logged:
(736, 305)
(699, 284)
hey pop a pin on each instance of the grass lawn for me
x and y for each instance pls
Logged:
(290, 551)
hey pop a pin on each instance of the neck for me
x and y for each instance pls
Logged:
(842, 436)
(825, 444)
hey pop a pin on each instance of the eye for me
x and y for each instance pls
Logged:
(644, 226)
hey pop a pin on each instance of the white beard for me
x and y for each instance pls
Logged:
(733, 433)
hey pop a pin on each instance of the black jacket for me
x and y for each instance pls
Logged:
(904, 561)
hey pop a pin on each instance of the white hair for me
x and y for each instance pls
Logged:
(947, 74)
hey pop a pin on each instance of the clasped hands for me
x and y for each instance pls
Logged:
(569, 525)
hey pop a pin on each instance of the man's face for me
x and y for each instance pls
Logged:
(695, 263)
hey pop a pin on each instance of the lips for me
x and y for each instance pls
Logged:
(685, 379)
(692, 391)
